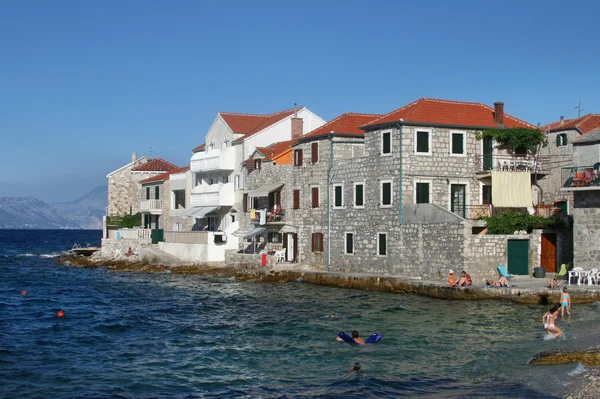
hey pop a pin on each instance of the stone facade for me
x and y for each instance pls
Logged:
(123, 189)
(586, 229)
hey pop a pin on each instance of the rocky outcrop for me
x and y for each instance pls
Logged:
(587, 357)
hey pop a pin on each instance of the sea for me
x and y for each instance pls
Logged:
(162, 335)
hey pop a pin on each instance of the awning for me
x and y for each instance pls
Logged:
(253, 232)
(199, 212)
(265, 190)
(240, 233)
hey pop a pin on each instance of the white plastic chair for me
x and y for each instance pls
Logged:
(591, 276)
(576, 272)
(280, 255)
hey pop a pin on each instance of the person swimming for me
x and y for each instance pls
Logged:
(355, 337)
(356, 368)
(549, 318)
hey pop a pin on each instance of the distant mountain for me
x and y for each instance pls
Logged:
(31, 213)
(86, 211)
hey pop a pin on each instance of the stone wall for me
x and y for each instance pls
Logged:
(553, 158)
(115, 247)
(123, 190)
(586, 229)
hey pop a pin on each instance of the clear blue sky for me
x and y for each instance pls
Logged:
(83, 84)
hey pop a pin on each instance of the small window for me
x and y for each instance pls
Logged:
(349, 243)
(147, 193)
(423, 142)
(486, 194)
(382, 244)
(386, 193)
(422, 193)
(359, 194)
(296, 199)
(317, 242)
(314, 152)
(458, 144)
(561, 139)
(386, 142)
(338, 195)
(245, 202)
(274, 237)
(156, 192)
(315, 196)
(257, 164)
(298, 157)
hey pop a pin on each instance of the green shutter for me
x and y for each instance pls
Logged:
(387, 143)
(422, 193)
(382, 244)
(564, 140)
(359, 195)
(422, 141)
(338, 196)
(386, 198)
(457, 143)
(558, 140)
(349, 243)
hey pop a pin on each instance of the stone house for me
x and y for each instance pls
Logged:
(582, 180)
(390, 194)
(558, 154)
(163, 200)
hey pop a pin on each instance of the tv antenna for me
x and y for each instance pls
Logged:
(151, 152)
(579, 109)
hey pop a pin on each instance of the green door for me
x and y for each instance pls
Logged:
(488, 163)
(518, 257)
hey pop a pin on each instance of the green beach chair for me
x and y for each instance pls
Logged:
(562, 273)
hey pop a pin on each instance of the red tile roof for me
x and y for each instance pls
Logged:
(199, 148)
(165, 176)
(348, 123)
(584, 124)
(445, 112)
(278, 149)
(156, 165)
(250, 124)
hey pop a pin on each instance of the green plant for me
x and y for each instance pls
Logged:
(127, 221)
(508, 222)
(527, 138)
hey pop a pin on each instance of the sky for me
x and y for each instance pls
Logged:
(84, 84)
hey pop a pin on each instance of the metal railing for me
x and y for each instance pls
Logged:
(507, 162)
(581, 176)
(134, 234)
(474, 211)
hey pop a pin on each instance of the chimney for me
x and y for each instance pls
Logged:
(133, 157)
(297, 125)
(562, 119)
(499, 113)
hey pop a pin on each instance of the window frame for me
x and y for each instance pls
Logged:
(298, 157)
(382, 141)
(429, 140)
(358, 183)
(353, 235)
(451, 134)
(422, 181)
(312, 196)
(335, 186)
(156, 192)
(381, 183)
(379, 254)
(257, 164)
(317, 243)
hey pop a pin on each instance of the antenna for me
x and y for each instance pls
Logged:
(578, 108)
(151, 152)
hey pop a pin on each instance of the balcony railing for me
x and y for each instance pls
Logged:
(213, 160)
(151, 206)
(581, 177)
(274, 215)
(506, 162)
(474, 211)
(219, 194)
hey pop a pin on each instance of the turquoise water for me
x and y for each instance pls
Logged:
(143, 335)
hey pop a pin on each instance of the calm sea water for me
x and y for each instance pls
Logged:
(143, 335)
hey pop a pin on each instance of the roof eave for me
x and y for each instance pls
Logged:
(328, 135)
(427, 124)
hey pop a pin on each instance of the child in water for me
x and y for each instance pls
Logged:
(565, 301)
(549, 319)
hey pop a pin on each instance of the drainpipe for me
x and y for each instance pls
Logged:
(329, 202)
(400, 216)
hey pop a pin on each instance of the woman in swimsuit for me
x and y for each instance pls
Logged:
(502, 282)
(549, 318)
(565, 301)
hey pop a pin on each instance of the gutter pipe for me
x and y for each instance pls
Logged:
(400, 215)
(329, 202)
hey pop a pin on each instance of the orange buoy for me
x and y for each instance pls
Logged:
(61, 313)
(23, 292)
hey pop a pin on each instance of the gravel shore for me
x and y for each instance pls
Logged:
(587, 385)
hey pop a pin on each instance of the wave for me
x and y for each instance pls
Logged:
(50, 255)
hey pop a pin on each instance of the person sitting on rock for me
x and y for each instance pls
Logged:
(129, 252)
(465, 280)
(452, 280)
(502, 282)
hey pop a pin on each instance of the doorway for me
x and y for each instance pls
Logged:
(548, 255)
(518, 257)
(290, 243)
(457, 195)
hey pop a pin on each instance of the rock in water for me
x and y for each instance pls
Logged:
(588, 357)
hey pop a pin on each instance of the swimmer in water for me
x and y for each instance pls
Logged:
(355, 337)
(356, 368)
(549, 318)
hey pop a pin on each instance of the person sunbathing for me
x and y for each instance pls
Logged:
(465, 280)
(554, 283)
(452, 280)
(502, 282)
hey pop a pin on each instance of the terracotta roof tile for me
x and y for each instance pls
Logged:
(165, 176)
(347, 123)
(199, 148)
(155, 165)
(445, 112)
(250, 124)
(584, 124)
(279, 148)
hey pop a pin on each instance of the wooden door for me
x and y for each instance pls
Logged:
(548, 255)
(518, 257)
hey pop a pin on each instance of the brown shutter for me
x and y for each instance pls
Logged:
(321, 242)
(314, 152)
(245, 202)
(315, 197)
(312, 245)
(296, 199)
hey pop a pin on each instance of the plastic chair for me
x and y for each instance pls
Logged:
(562, 273)
(504, 272)
(280, 255)
(576, 272)
(591, 277)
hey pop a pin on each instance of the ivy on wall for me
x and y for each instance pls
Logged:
(509, 222)
(127, 221)
(527, 138)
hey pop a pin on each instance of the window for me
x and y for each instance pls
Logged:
(274, 237)
(423, 142)
(179, 199)
(385, 193)
(225, 179)
(211, 181)
(315, 196)
(314, 152)
(386, 142)
(156, 192)
(257, 163)
(317, 242)
(296, 199)
(382, 244)
(338, 195)
(359, 194)
(521, 151)
(245, 202)
(422, 191)
(147, 193)
(457, 143)
(297, 157)
(349, 243)
(486, 194)
(561, 139)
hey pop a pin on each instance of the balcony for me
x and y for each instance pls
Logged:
(484, 164)
(274, 216)
(213, 160)
(151, 206)
(219, 194)
(580, 178)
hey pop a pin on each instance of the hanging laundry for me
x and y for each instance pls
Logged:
(263, 216)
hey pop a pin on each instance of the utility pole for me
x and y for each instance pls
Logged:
(579, 109)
